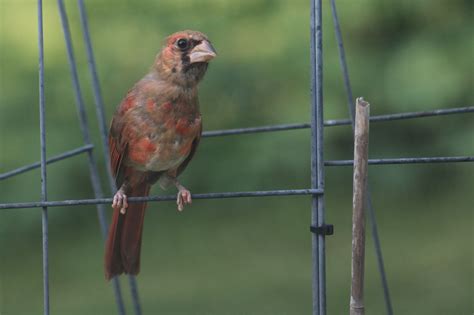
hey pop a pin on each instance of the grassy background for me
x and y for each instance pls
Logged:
(248, 256)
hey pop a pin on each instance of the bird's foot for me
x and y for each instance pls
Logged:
(120, 201)
(183, 198)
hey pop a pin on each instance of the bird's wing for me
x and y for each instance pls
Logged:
(118, 142)
(194, 146)
(117, 153)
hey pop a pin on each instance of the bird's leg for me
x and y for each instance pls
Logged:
(184, 195)
(120, 200)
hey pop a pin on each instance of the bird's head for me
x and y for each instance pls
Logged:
(185, 57)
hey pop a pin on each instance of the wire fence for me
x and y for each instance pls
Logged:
(318, 226)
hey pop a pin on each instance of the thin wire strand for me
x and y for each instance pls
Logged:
(216, 195)
(93, 169)
(339, 122)
(55, 158)
(314, 202)
(418, 160)
(421, 114)
(99, 105)
(394, 161)
(272, 128)
(317, 162)
(351, 107)
(44, 192)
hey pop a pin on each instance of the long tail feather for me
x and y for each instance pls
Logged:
(122, 249)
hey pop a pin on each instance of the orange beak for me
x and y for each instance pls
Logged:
(203, 52)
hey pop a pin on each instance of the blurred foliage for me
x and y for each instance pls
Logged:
(248, 256)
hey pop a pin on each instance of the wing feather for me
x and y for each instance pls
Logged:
(188, 159)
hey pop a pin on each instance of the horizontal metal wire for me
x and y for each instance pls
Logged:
(419, 160)
(414, 160)
(289, 192)
(218, 195)
(239, 131)
(216, 133)
(56, 158)
(430, 113)
(339, 122)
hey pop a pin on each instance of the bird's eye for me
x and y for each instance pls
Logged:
(182, 43)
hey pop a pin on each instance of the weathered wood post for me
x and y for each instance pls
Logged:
(359, 200)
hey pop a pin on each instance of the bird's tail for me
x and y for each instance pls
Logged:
(122, 249)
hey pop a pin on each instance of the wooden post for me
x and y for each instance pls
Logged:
(359, 201)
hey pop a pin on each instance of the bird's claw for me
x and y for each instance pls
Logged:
(183, 198)
(120, 202)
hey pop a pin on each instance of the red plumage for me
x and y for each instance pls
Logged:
(153, 136)
(125, 234)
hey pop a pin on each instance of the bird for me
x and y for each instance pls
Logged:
(153, 136)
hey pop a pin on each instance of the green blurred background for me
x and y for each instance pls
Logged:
(248, 256)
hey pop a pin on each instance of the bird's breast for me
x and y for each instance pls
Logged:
(167, 141)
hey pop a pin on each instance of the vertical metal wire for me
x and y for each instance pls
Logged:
(317, 161)
(371, 211)
(378, 252)
(342, 61)
(314, 199)
(93, 170)
(135, 297)
(44, 193)
(99, 105)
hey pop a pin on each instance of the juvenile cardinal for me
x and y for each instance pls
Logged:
(154, 134)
